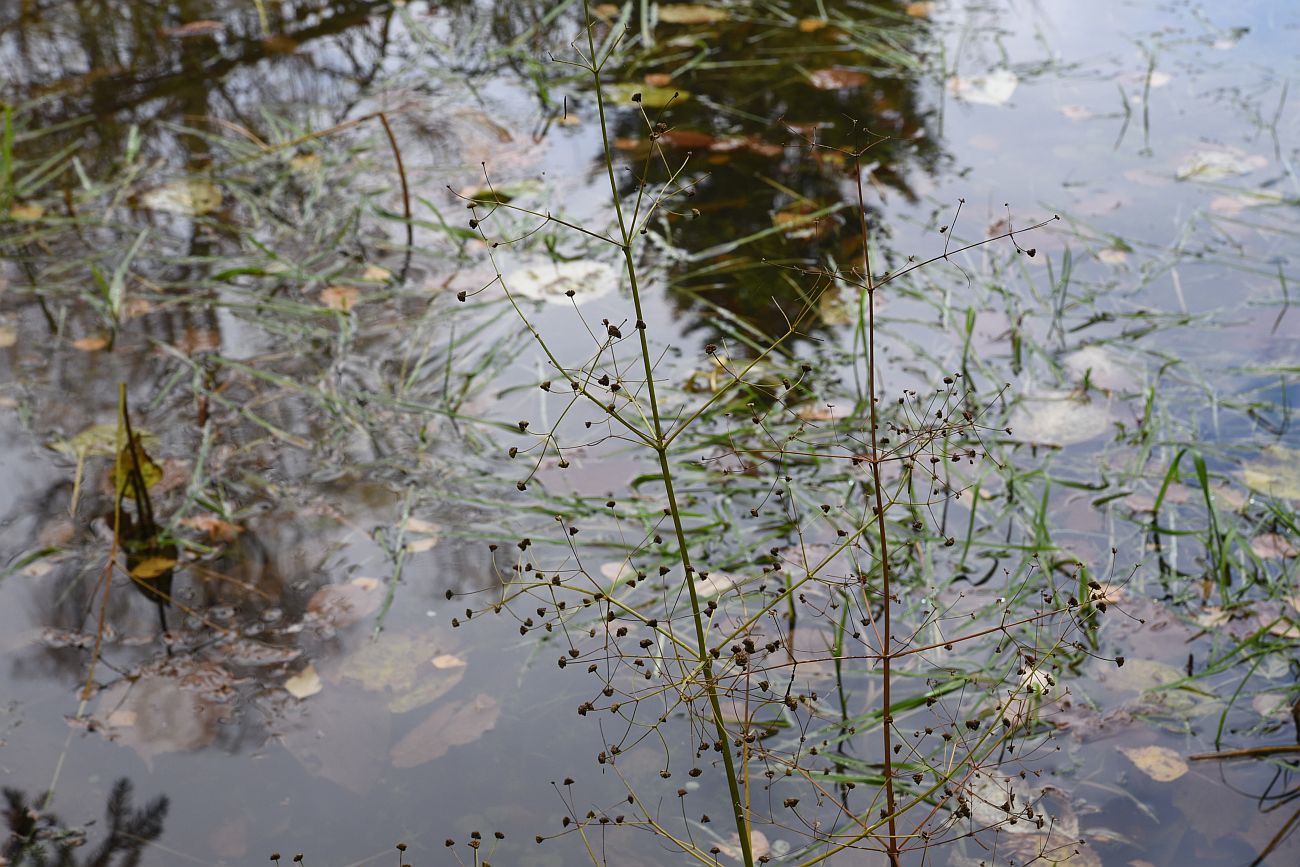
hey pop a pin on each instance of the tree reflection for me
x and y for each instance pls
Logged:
(40, 838)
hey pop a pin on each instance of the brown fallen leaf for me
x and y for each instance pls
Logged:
(810, 25)
(1273, 546)
(93, 343)
(192, 29)
(449, 726)
(1159, 763)
(216, 529)
(342, 298)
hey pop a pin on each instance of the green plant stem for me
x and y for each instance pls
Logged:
(661, 449)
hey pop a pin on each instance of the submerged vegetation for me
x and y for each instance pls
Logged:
(857, 523)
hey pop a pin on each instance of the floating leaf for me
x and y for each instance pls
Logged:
(402, 668)
(216, 529)
(174, 705)
(191, 197)
(1112, 256)
(811, 25)
(342, 740)
(554, 281)
(836, 79)
(995, 88)
(191, 29)
(1059, 418)
(304, 684)
(449, 726)
(152, 567)
(650, 97)
(1232, 205)
(1273, 546)
(376, 274)
(26, 212)
(500, 194)
(1275, 473)
(1076, 112)
(1101, 367)
(8, 336)
(134, 459)
(758, 846)
(340, 297)
(691, 13)
(448, 660)
(305, 162)
(342, 605)
(93, 343)
(1141, 675)
(1209, 165)
(1159, 763)
(920, 10)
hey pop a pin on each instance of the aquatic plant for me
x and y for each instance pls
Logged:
(765, 518)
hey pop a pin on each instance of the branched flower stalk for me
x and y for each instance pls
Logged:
(698, 674)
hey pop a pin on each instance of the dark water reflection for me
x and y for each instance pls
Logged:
(315, 480)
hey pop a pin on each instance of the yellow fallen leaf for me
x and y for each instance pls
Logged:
(1159, 763)
(304, 684)
(8, 336)
(376, 274)
(152, 567)
(26, 212)
(920, 10)
(810, 25)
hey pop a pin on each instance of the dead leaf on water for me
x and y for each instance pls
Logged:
(191, 197)
(1273, 546)
(216, 529)
(563, 282)
(401, 667)
(174, 705)
(448, 660)
(920, 10)
(341, 605)
(151, 567)
(192, 29)
(836, 79)
(304, 684)
(811, 25)
(342, 298)
(451, 725)
(1276, 472)
(758, 846)
(94, 343)
(649, 97)
(691, 13)
(994, 88)
(26, 212)
(1159, 763)
(1059, 418)
(1209, 165)
(8, 336)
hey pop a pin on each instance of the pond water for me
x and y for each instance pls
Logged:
(202, 201)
